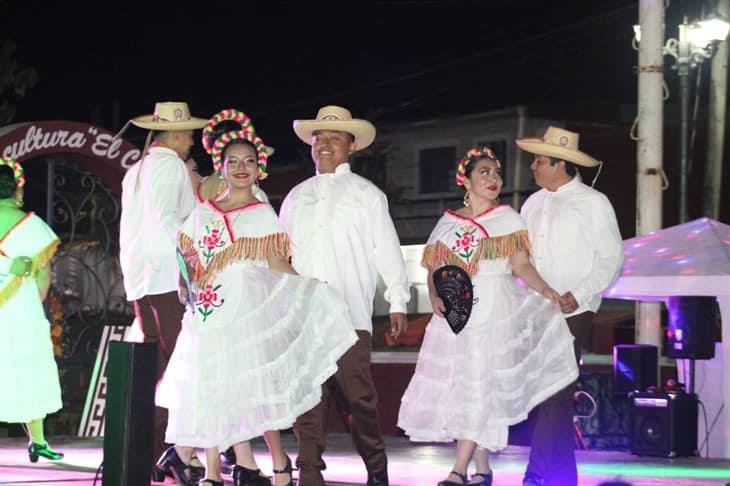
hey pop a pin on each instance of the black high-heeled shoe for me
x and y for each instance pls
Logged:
(36, 450)
(196, 472)
(287, 470)
(243, 476)
(446, 482)
(171, 464)
(228, 460)
(485, 479)
(210, 482)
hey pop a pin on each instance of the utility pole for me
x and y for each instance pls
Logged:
(649, 149)
(716, 123)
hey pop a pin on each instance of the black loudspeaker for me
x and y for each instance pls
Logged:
(634, 367)
(130, 413)
(664, 424)
(691, 328)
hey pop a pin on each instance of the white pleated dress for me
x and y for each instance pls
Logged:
(253, 355)
(28, 372)
(515, 351)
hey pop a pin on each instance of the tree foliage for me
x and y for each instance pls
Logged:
(15, 81)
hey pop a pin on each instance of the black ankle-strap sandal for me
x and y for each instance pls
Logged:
(287, 470)
(211, 482)
(485, 479)
(446, 482)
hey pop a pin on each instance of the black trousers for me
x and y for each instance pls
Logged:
(552, 456)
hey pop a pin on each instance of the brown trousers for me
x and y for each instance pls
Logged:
(354, 383)
(160, 317)
(552, 456)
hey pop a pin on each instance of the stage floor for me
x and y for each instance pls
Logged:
(409, 465)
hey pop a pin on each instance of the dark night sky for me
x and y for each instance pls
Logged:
(282, 60)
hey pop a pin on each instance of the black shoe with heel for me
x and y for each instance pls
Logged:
(446, 482)
(36, 450)
(243, 476)
(210, 482)
(171, 464)
(287, 470)
(485, 479)
(196, 472)
(378, 478)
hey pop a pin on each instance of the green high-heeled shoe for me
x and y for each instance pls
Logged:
(42, 450)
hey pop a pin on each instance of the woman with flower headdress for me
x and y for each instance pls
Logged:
(514, 349)
(257, 340)
(28, 372)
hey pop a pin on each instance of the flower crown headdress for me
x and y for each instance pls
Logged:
(247, 132)
(18, 172)
(473, 154)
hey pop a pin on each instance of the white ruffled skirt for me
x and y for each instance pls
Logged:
(257, 362)
(515, 351)
(28, 372)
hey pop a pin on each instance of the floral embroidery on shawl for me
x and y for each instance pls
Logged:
(466, 243)
(488, 248)
(211, 240)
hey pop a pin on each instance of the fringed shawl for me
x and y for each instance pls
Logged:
(244, 248)
(30, 237)
(463, 242)
(253, 233)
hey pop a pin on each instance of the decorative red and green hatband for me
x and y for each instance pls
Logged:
(473, 155)
(18, 173)
(247, 132)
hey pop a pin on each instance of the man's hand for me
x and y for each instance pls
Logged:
(21, 266)
(398, 324)
(568, 303)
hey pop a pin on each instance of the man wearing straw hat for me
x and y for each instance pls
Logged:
(576, 247)
(342, 234)
(157, 196)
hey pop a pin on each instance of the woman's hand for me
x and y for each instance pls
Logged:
(437, 305)
(183, 294)
(550, 294)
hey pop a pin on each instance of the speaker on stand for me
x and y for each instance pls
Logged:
(691, 331)
(130, 413)
(634, 368)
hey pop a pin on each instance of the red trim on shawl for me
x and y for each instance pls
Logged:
(16, 225)
(227, 214)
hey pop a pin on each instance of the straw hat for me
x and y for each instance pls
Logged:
(169, 116)
(559, 143)
(338, 119)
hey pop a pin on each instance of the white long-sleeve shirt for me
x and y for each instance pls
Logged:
(576, 243)
(156, 199)
(341, 233)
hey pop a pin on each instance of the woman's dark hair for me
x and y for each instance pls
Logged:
(472, 163)
(7, 182)
(230, 126)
